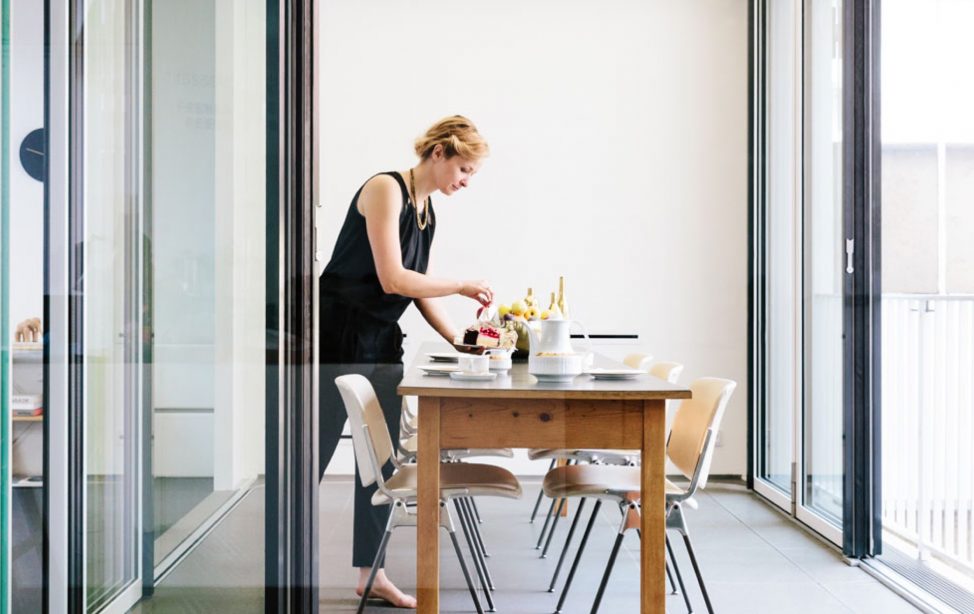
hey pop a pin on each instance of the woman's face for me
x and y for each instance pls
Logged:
(453, 174)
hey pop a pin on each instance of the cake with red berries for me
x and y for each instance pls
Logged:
(488, 335)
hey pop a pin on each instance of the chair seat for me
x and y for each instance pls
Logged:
(599, 481)
(456, 479)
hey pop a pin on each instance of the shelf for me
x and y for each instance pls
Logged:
(27, 418)
(27, 482)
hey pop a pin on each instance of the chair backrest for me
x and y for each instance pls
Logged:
(694, 418)
(638, 361)
(666, 371)
(362, 407)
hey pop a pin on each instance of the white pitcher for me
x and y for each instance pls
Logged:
(560, 361)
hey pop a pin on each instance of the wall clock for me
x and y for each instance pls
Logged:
(32, 154)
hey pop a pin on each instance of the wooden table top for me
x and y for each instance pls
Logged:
(522, 385)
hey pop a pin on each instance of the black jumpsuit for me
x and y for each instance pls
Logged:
(359, 333)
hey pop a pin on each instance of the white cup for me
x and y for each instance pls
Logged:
(499, 359)
(470, 363)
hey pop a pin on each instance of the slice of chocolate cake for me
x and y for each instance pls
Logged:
(470, 336)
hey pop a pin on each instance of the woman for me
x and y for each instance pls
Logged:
(377, 269)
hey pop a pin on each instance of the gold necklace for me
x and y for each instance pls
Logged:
(426, 218)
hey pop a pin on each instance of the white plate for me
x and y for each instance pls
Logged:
(438, 369)
(444, 356)
(472, 377)
(555, 377)
(614, 373)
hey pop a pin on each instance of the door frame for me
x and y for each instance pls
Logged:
(861, 190)
(291, 498)
(860, 534)
(291, 525)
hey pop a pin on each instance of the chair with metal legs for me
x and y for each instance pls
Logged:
(667, 371)
(373, 449)
(690, 447)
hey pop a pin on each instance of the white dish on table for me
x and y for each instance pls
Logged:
(500, 360)
(444, 356)
(473, 377)
(438, 369)
(614, 374)
(555, 377)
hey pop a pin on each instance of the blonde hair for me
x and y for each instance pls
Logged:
(457, 135)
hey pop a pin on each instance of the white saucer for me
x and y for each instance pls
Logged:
(438, 369)
(472, 377)
(614, 373)
(444, 356)
(555, 377)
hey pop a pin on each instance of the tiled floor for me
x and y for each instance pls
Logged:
(753, 559)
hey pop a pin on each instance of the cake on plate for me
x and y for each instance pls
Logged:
(489, 335)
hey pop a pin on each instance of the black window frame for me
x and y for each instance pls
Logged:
(862, 407)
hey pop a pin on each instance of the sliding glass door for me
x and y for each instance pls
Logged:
(825, 269)
(106, 257)
(175, 363)
(800, 264)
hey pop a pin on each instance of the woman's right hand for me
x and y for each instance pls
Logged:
(478, 290)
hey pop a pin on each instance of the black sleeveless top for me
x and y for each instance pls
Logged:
(351, 295)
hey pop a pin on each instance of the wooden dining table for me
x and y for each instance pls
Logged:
(517, 410)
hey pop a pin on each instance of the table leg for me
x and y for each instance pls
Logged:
(428, 508)
(652, 553)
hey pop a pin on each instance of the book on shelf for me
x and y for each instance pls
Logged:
(27, 404)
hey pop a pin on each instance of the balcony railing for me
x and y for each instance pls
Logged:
(928, 424)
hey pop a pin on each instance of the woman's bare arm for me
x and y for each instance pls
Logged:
(434, 313)
(381, 203)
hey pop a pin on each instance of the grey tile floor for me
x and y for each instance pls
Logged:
(753, 558)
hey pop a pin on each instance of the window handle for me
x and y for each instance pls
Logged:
(850, 248)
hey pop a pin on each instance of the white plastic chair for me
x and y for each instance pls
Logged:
(373, 449)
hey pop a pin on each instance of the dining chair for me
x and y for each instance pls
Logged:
(638, 361)
(690, 447)
(374, 449)
(667, 371)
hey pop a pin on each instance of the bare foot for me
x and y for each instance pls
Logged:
(384, 589)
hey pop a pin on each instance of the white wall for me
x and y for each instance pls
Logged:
(619, 159)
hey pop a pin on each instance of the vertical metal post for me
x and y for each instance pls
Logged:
(291, 520)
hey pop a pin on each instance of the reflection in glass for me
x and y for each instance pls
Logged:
(22, 297)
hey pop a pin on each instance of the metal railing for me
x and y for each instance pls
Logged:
(928, 424)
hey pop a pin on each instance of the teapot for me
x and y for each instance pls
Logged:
(552, 356)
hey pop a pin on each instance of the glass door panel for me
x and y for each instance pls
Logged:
(783, 191)
(109, 258)
(825, 266)
(23, 299)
